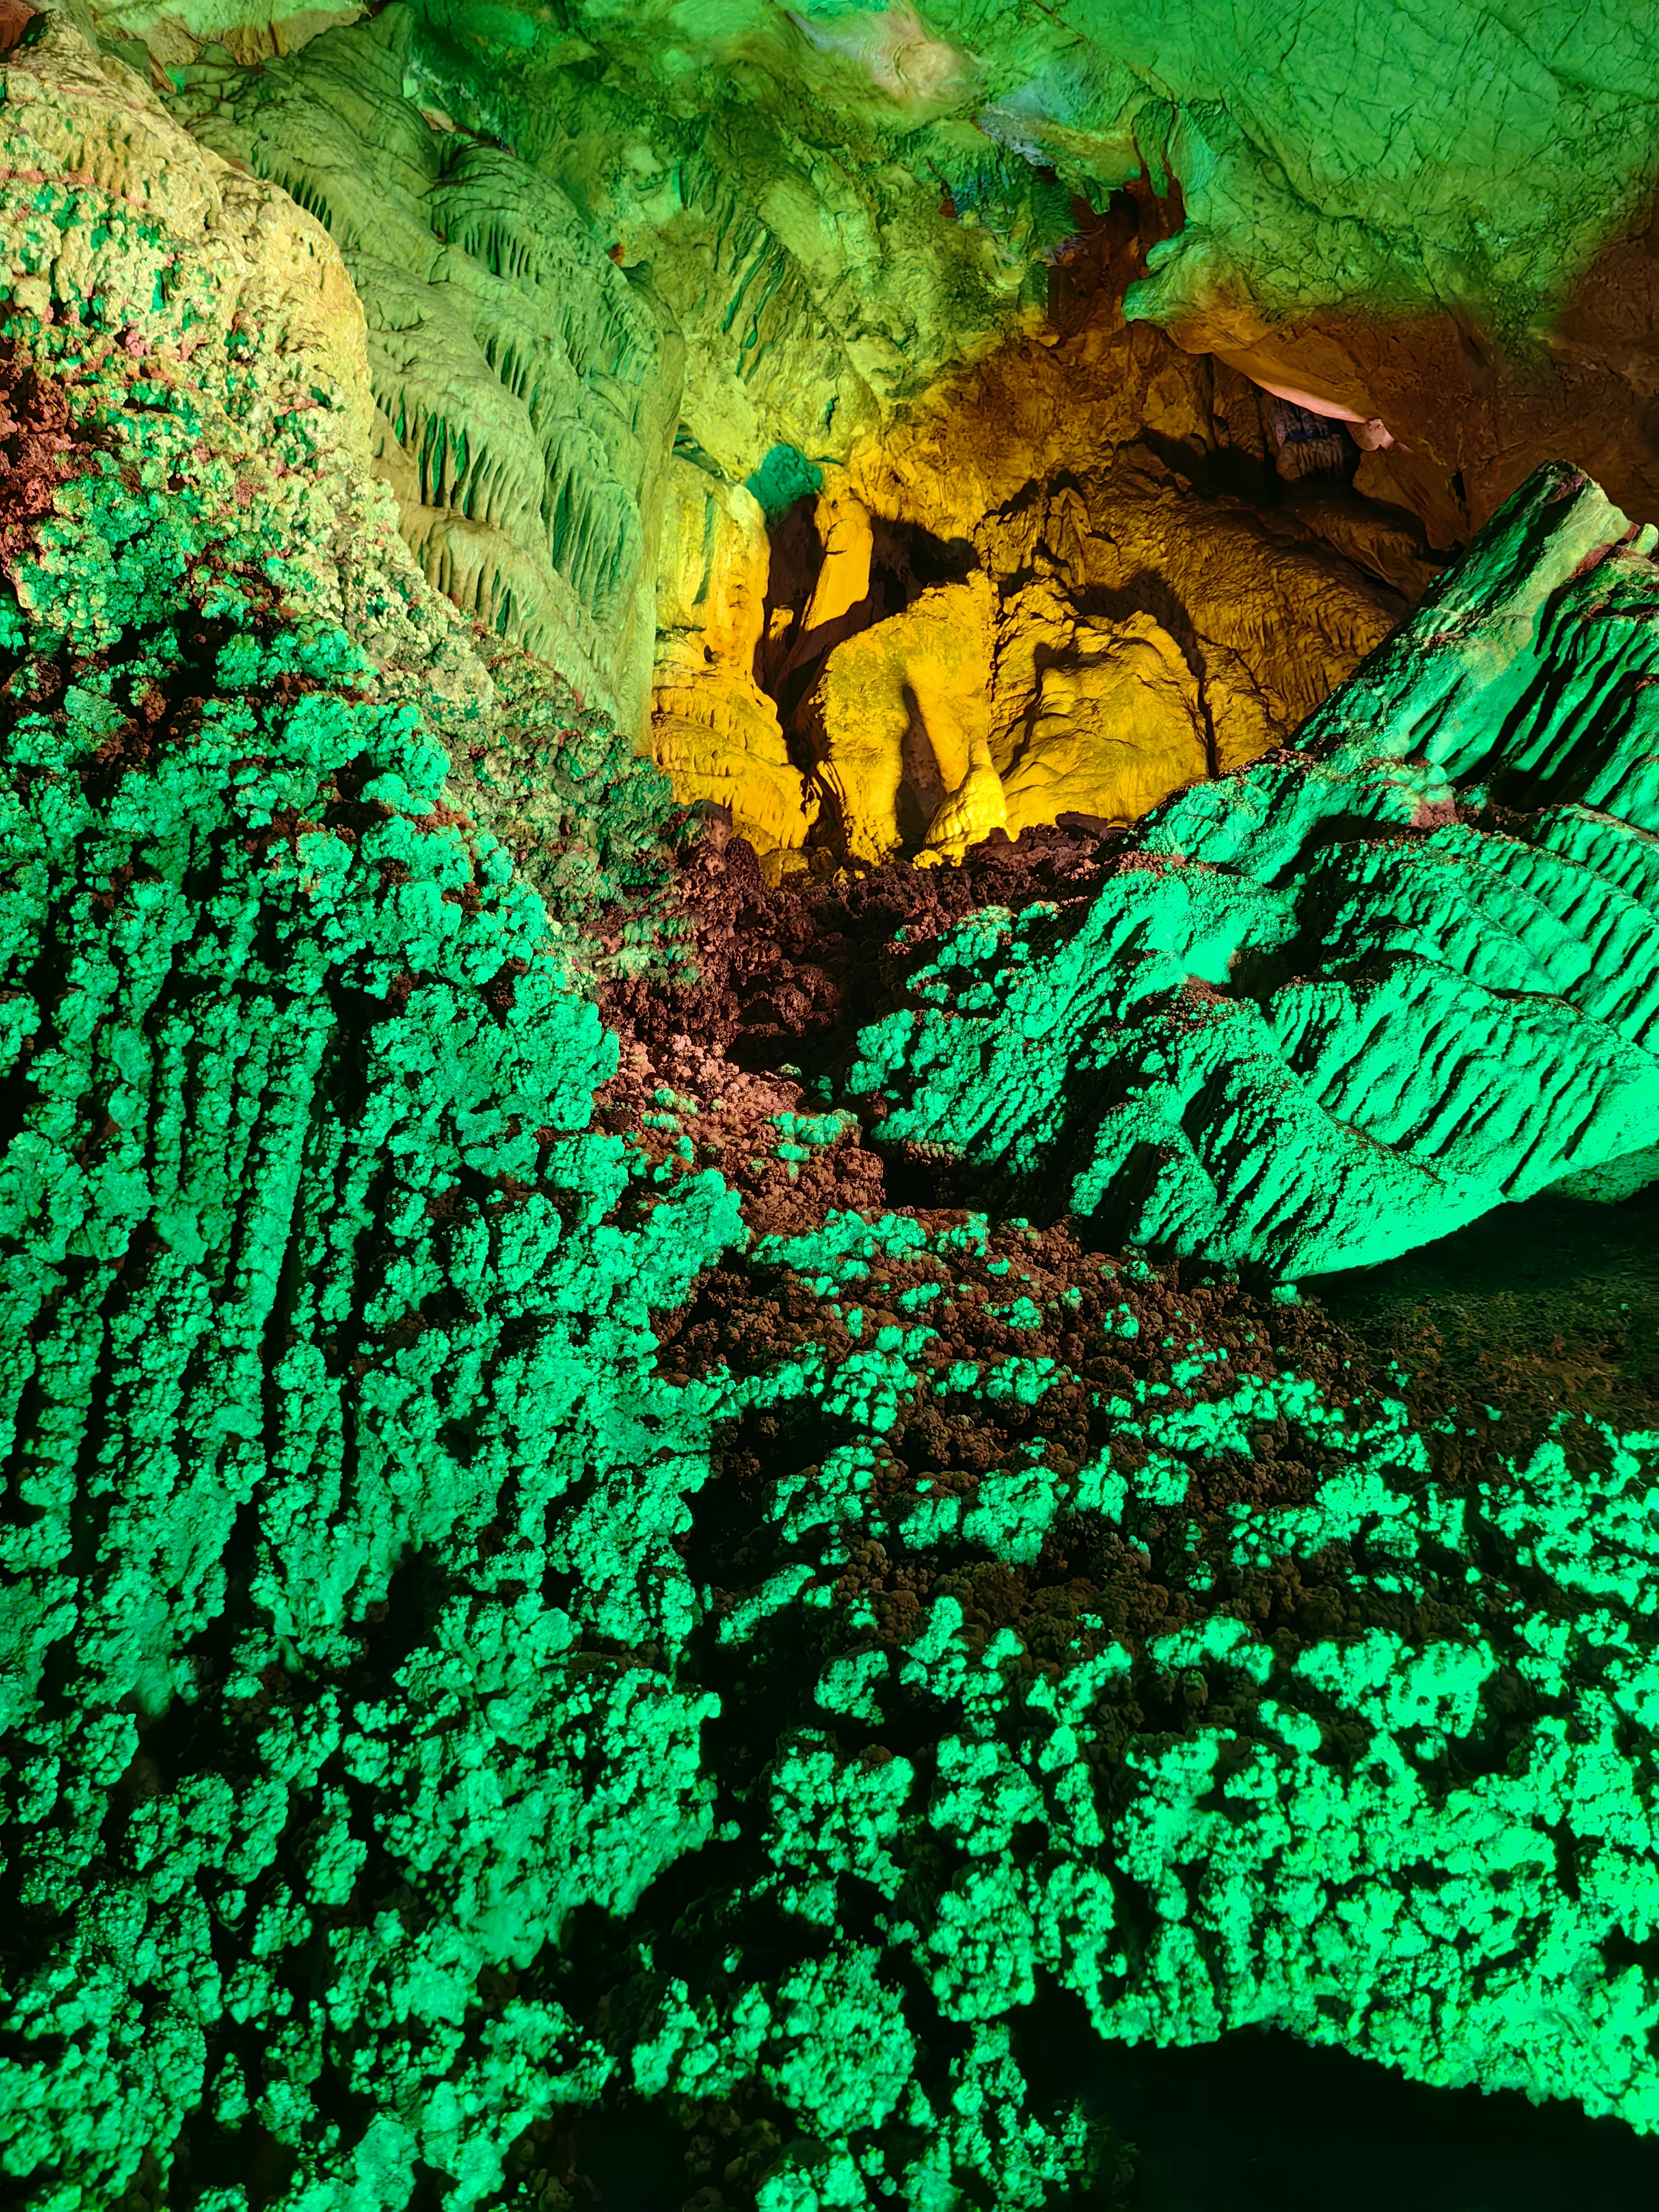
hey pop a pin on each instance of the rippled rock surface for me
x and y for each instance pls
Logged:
(544, 1587)
(1350, 999)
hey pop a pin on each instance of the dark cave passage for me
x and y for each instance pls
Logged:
(1261, 2122)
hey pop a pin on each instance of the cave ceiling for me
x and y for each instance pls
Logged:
(828, 1100)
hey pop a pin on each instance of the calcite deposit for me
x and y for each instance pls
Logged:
(1355, 996)
(778, 790)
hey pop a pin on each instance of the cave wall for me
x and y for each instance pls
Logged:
(1441, 222)
(622, 273)
(526, 391)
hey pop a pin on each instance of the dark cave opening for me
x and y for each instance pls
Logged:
(1257, 2122)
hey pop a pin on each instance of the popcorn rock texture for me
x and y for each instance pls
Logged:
(294, 1064)
(570, 1562)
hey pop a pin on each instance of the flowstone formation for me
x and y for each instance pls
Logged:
(609, 1537)
(525, 397)
(1437, 226)
(1348, 1000)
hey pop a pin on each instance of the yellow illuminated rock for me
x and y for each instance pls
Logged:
(969, 813)
(1038, 456)
(713, 732)
(901, 718)
(1112, 729)
(1244, 720)
(1119, 635)
(844, 528)
(1036, 626)
(838, 601)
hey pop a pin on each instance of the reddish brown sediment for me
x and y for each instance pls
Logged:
(40, 446)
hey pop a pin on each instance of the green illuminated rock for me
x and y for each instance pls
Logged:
(486, 1639)
(1351, 998)
(309, 1279)
(1069, 1711)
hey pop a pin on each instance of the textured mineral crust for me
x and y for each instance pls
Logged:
(1347, 1001)
(1434, 224)
(665, 1477)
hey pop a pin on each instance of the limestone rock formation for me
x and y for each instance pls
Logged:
(526, 392)
(1117, 635)
(1345, 1001)
(832, 219)
(1114, 725)
(933, 729)
(901, 718)
(530, 461)
(248, 32)
(250, 260)
(816, 287)
(714, 731)
(558, 1600)
(1085, 476)
(1101, 462)
(263, 978)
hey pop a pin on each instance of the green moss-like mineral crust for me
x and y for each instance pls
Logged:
(493, 1630)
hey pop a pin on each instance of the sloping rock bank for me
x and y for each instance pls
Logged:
(504, 1620)
(1339, 1005)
